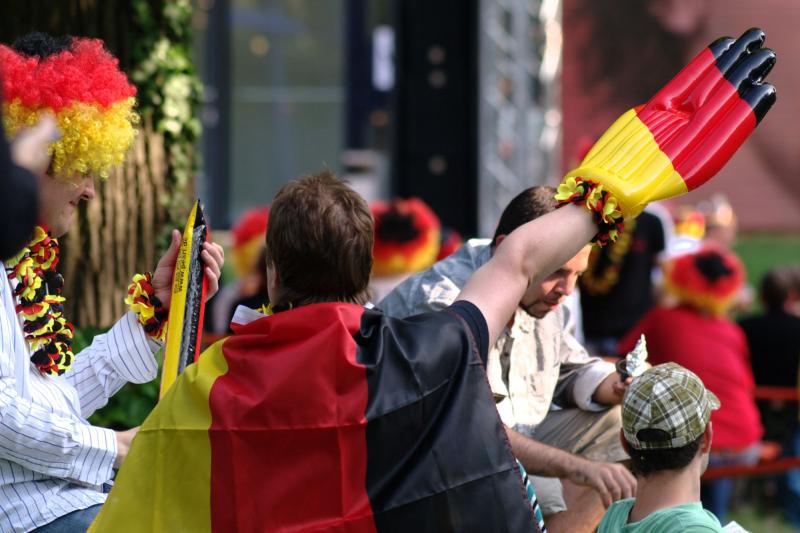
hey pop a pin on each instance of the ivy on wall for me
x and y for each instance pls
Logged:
(169, 98)
(170, 93)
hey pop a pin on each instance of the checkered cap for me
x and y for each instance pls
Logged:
(668, 398)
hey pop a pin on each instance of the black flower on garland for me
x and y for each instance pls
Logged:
(41, 306)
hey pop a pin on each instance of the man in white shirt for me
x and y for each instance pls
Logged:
(554, 398)
(55, 466)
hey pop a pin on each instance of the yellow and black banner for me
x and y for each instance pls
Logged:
(188, 301)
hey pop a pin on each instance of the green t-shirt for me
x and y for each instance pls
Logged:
(689, 517)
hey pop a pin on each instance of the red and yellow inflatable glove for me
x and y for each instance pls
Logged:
(687, 132)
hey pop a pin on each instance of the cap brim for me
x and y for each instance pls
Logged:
(713, 401)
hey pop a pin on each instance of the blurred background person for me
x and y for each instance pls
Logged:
(773, 338)
(697, 334)
(407, 240)
(617, 287)
(247, 254)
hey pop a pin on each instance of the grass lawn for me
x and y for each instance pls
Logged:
(761, 252)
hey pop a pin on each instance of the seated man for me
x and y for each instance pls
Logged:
(537, 363)
(55, 467)
(666, 429)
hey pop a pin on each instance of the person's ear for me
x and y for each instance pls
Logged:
(499, 239)
(708, 436)
(681, 17)
(273, 283)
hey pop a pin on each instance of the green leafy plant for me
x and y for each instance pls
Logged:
(169, 97)
(169, 93)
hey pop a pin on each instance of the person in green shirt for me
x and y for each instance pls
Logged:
(667, 432)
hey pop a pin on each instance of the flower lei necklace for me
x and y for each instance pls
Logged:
(41, 305)
(596, 280)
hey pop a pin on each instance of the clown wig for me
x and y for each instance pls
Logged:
(249, 238)
(79, 82)
(407, 235)
(707, 280)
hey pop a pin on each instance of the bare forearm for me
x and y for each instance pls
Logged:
(540, 459)
(611, 481)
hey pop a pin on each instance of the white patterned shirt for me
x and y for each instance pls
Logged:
(52, 461)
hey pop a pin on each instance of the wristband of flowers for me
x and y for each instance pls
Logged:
(142, 300)
(604, 207)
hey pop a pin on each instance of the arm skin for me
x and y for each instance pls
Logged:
(612, 481)
(528, 255)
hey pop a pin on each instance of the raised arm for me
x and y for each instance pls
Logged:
(529, 254)
(665, 148)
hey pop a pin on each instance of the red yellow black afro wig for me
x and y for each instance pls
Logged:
(407, 235)
(78, 81)
(707, 280)
(249, 239)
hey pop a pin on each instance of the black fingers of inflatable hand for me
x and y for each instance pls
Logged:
(720, 46)
(750, 40)
(752, 69)
(760, 98)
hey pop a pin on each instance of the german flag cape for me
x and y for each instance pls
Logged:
(328, 417)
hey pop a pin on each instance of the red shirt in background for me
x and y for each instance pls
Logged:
(716, 350)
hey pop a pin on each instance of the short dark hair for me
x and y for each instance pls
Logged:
(319, 240)
(531, 203)
(647, 462)
(776, 285)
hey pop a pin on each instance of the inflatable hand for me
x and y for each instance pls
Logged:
(685, 134)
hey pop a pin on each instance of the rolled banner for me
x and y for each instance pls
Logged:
(188, 302)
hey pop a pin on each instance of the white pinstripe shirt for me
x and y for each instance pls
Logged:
(52, 461)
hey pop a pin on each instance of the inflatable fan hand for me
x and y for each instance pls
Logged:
(686, 133)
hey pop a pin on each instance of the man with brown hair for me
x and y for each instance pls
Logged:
(666, 428)
(559, 404)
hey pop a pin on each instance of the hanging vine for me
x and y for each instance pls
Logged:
(170, 93)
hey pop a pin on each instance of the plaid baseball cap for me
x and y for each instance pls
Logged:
(666, 407)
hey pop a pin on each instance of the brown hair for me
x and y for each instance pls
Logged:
(319, 241)
(531, 203)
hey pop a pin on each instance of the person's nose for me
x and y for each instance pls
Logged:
(88, 189)
(566, 285)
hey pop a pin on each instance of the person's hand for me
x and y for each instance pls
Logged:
(618, 387)
(687, 132)
(124, 439)
(29, 149)
(212, 255)
(611, 390)
(612, 481)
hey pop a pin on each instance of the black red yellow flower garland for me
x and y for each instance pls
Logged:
(604, 207)
(41, 305)
(142, 300)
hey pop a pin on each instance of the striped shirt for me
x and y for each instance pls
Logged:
(52, 461)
